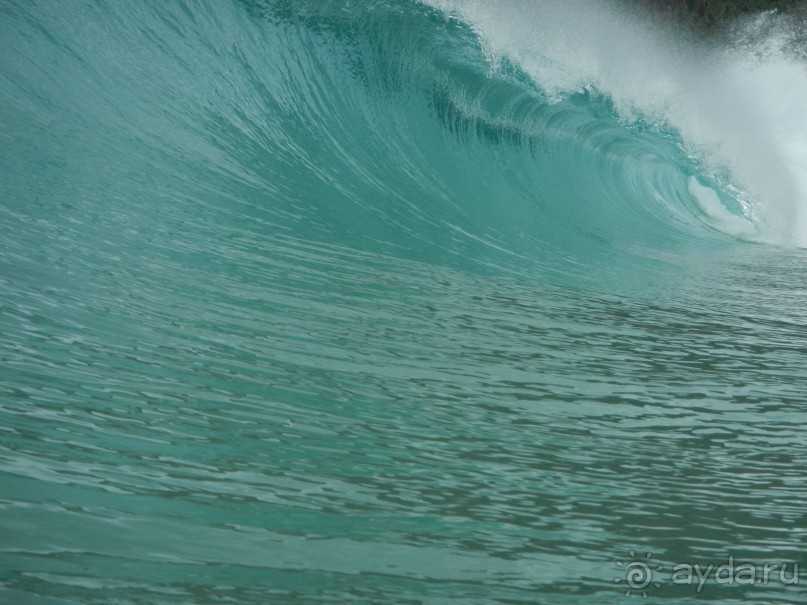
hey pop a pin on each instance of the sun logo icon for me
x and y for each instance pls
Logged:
(638, 575)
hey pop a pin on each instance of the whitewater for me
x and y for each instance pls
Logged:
(400, 301)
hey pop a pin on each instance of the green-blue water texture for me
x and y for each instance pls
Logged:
(308, 302)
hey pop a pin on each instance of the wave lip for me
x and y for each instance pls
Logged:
(734, 102)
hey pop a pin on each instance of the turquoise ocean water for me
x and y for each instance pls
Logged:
(398, 302)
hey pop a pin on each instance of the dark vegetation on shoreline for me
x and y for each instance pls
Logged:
(714, 13)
